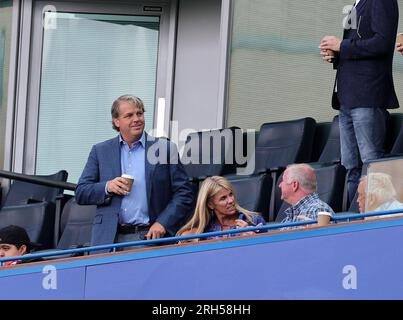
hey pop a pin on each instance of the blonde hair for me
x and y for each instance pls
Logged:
(202, 215)
(380, 190)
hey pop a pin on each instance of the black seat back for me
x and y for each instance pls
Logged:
(352, 206)
(216, 147)
(24, 192)
(397, 147)
(331, 150)
(36, 218)
(253, 192)
(282, 143)
(76, 225)
(394, 134)
(321, 135)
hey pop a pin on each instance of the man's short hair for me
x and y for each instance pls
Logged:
(304, 174)
(136, 101)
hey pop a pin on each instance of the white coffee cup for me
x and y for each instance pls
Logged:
(130, 180)
(324, 218)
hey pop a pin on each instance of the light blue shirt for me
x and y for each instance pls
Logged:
(134, 208)
(387, 206)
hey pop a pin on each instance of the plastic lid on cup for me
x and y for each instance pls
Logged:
(325, 213)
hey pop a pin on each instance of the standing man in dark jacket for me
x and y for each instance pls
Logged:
(364, 85)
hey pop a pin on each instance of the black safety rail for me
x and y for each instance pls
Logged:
(37, 180)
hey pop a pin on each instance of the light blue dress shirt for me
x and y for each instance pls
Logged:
(134, 208)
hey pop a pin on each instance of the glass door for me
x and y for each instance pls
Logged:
(88, 59)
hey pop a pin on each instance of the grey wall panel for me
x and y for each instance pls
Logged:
(197, 72)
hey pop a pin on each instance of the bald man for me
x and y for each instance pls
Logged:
(298, 189)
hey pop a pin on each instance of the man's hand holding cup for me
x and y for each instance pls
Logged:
(121, 185)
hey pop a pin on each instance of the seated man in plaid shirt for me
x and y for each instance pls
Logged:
(298, 189)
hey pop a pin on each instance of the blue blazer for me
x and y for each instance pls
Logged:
(169, 193)
(364, 63)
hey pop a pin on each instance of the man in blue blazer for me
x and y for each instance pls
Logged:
(364, 85)
(161, 198)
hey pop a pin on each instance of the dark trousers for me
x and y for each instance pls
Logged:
(129, 234)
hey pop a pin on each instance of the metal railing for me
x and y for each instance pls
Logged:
(359, 216)
(37, 180)
(175, 239)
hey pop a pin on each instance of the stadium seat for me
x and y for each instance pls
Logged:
(331, 150)
(319, 141)
(252, 192)
(397, 148)
(394, 134)
(282, 143)
(24, 192)
(354, 205)
(76, 225)
(36, 218)
(216, 147)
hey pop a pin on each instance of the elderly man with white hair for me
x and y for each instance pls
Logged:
(377, 193)
(298, 189)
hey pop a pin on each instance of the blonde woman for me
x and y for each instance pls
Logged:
(218, 210)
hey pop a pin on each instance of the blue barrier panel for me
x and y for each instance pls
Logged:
(49, 283)
(356, 265)
(345, 261)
